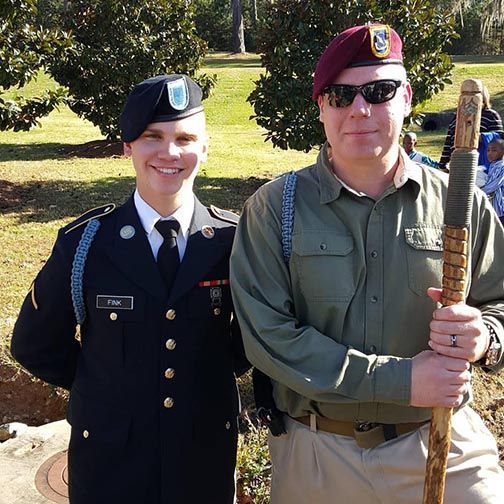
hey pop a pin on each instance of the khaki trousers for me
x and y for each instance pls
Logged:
(321, 468)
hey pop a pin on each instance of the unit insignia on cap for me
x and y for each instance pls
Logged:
(162, 98)
(178, 94)
(380, 40)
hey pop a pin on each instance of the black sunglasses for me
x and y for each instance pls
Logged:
(379, 91)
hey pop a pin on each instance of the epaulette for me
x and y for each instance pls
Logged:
(94, 213)
(223, 215)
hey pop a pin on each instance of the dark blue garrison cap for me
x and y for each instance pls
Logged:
(159, 99)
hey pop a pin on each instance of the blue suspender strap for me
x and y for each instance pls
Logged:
(288, 206)
(77, 276)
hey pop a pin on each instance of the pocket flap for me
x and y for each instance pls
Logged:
(321, 242)
(425, 237)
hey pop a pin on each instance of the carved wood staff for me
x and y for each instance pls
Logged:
(463, 163)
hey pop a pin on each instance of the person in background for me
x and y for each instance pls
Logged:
(484, 162)
(334, 276)
(490, 121)
(151, 364)
(409, 144)
(494, 187)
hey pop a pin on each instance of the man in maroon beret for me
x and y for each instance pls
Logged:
(333, 272)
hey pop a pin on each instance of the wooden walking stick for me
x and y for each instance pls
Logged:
(457, 219)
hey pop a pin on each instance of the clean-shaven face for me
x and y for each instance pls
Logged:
(167, 156)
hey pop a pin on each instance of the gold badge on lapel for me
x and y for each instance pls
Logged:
(208, 232)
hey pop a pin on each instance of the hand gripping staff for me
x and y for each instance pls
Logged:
(457, 218)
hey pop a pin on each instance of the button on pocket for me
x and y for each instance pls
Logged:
(325, 264)
(111, 335)
(424, 252)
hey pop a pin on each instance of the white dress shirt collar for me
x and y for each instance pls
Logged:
(148, 217)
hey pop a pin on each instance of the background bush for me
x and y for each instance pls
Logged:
(294, 36)
(25, 48)
(118, 43)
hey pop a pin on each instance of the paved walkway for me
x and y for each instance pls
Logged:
(21, 457)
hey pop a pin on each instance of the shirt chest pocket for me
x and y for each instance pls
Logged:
(113, 322)
(324, 262)
(424, 254)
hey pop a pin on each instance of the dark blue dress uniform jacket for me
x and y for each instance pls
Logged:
(153, 402)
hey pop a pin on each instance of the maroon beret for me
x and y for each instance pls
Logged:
(374, 44)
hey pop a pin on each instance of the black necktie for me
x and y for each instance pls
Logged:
(168, 255)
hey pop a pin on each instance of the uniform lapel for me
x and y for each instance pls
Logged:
(133, 255)
(201, 253)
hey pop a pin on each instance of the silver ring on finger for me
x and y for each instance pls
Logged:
(453, 339)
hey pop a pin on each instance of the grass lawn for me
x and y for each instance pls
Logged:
(42, 187)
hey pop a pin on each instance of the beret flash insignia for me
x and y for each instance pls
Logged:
(178, 94)
(380, 40)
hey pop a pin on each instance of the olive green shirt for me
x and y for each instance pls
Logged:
(337, 326)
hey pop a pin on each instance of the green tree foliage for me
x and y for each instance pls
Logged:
(480, 24)
(25, 49)
(296, 33)
(213, 23)
(214, 19)
(119, 43)
(490, 13)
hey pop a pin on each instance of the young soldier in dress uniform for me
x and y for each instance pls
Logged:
(151, 369)
(338, 315)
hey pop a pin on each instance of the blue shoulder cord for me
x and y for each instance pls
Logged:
(77, 276)
(288, 208)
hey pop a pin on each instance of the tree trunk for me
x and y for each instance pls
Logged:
(238, 33)
(253, 9)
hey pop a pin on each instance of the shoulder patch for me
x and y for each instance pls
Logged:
(223, 215)
(94, 213)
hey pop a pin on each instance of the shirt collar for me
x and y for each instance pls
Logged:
(407, 170)
(148, 216)
(331, 185)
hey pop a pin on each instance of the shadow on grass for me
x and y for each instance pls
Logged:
(497, 101)
(232, 62)
(31, 152)
(477, 58)
(443, 118)
(42, 151)
(46, 201)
